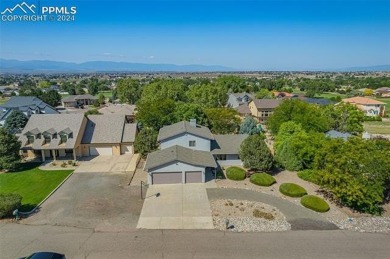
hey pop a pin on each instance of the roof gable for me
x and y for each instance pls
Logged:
(179, 128)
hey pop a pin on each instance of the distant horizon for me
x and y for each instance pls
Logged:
(21, 65)
(255, 35)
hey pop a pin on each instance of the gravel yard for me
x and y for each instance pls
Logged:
(247, 216)
(343, 218)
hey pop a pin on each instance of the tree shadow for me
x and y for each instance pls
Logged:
(27, 207)
(25, 167)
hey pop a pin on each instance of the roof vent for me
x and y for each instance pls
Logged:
(193, 122)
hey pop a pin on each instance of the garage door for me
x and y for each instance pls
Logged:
(127, 149)
(97, 151)
(167, 178)
(194, 177)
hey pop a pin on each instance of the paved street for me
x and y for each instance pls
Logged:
(178, 206)
(18, 240)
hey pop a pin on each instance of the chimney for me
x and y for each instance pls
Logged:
(193, 122)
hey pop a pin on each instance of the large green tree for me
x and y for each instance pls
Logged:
(208, 95)
(187, 111)
(9, 150)
(223, 120)
(255, 154)
(128, 90)
(345, 117)
(146, 141)
(308, 115)
(156, 114)
(15, 121)
(356, 171)
(173, 89)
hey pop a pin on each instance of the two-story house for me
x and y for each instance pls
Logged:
(53, 136)
(189, 154)
(29, 105)
(77, 101)
(370, 107)
(261, 109)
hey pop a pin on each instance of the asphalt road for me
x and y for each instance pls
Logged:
(18, 240)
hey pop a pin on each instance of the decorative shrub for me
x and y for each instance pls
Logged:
(235, 173)
(8, 203)
(292, 190)
(314, 203)
(309, 175)
(63, 164)
(261, 214)
(70, 162)
(262, 179)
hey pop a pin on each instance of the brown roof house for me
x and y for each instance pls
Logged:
(53, 135)
(70, 136)
(77, 101)
(190, 153)
(370, 107)
(261, 109)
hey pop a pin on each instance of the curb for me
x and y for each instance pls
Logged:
(47, 197)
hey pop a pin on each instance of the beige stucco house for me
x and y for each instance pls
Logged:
(261, 109)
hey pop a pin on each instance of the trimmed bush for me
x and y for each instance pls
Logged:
(262, 179)
(292, 190)
(314, 203)
(235, 173)
(8, 203)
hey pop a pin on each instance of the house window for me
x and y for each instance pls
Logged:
(64, 138)
(30, 139)
(192, 143)
(221, 157)
(47, 139)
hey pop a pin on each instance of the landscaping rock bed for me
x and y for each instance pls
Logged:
(340, 217)
(247, 216)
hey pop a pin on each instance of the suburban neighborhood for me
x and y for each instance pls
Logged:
(195, 129)
(167, 154)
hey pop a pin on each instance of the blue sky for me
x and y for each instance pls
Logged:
(259, 35)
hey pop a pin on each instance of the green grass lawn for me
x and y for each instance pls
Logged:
(329, 95)
(31, 183)
(107, 94)
(377, 127)
(3, 100)
(387, 101)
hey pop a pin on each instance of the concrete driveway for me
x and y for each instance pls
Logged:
(104, 164)
(178, 206)
(101, 201)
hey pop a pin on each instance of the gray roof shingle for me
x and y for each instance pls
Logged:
(179, 154)
(129, 132)
(42, 122)
(25, 103)
(184, 127)
(227, 144)
(102, 129)
(266, 103)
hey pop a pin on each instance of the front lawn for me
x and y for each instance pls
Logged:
(31, 183)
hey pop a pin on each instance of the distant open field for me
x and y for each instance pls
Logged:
(377, 127)
(107, 94)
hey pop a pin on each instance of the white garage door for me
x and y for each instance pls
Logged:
(127, 149)
(96, 151)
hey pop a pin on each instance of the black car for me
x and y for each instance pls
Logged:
(45, 255)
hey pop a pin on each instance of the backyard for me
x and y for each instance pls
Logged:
(3, 100)
(377, 127)
(31, 183)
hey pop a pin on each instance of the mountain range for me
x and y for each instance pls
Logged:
(46, 66)
(36, 66)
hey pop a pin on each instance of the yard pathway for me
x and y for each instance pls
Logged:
(300, 218)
